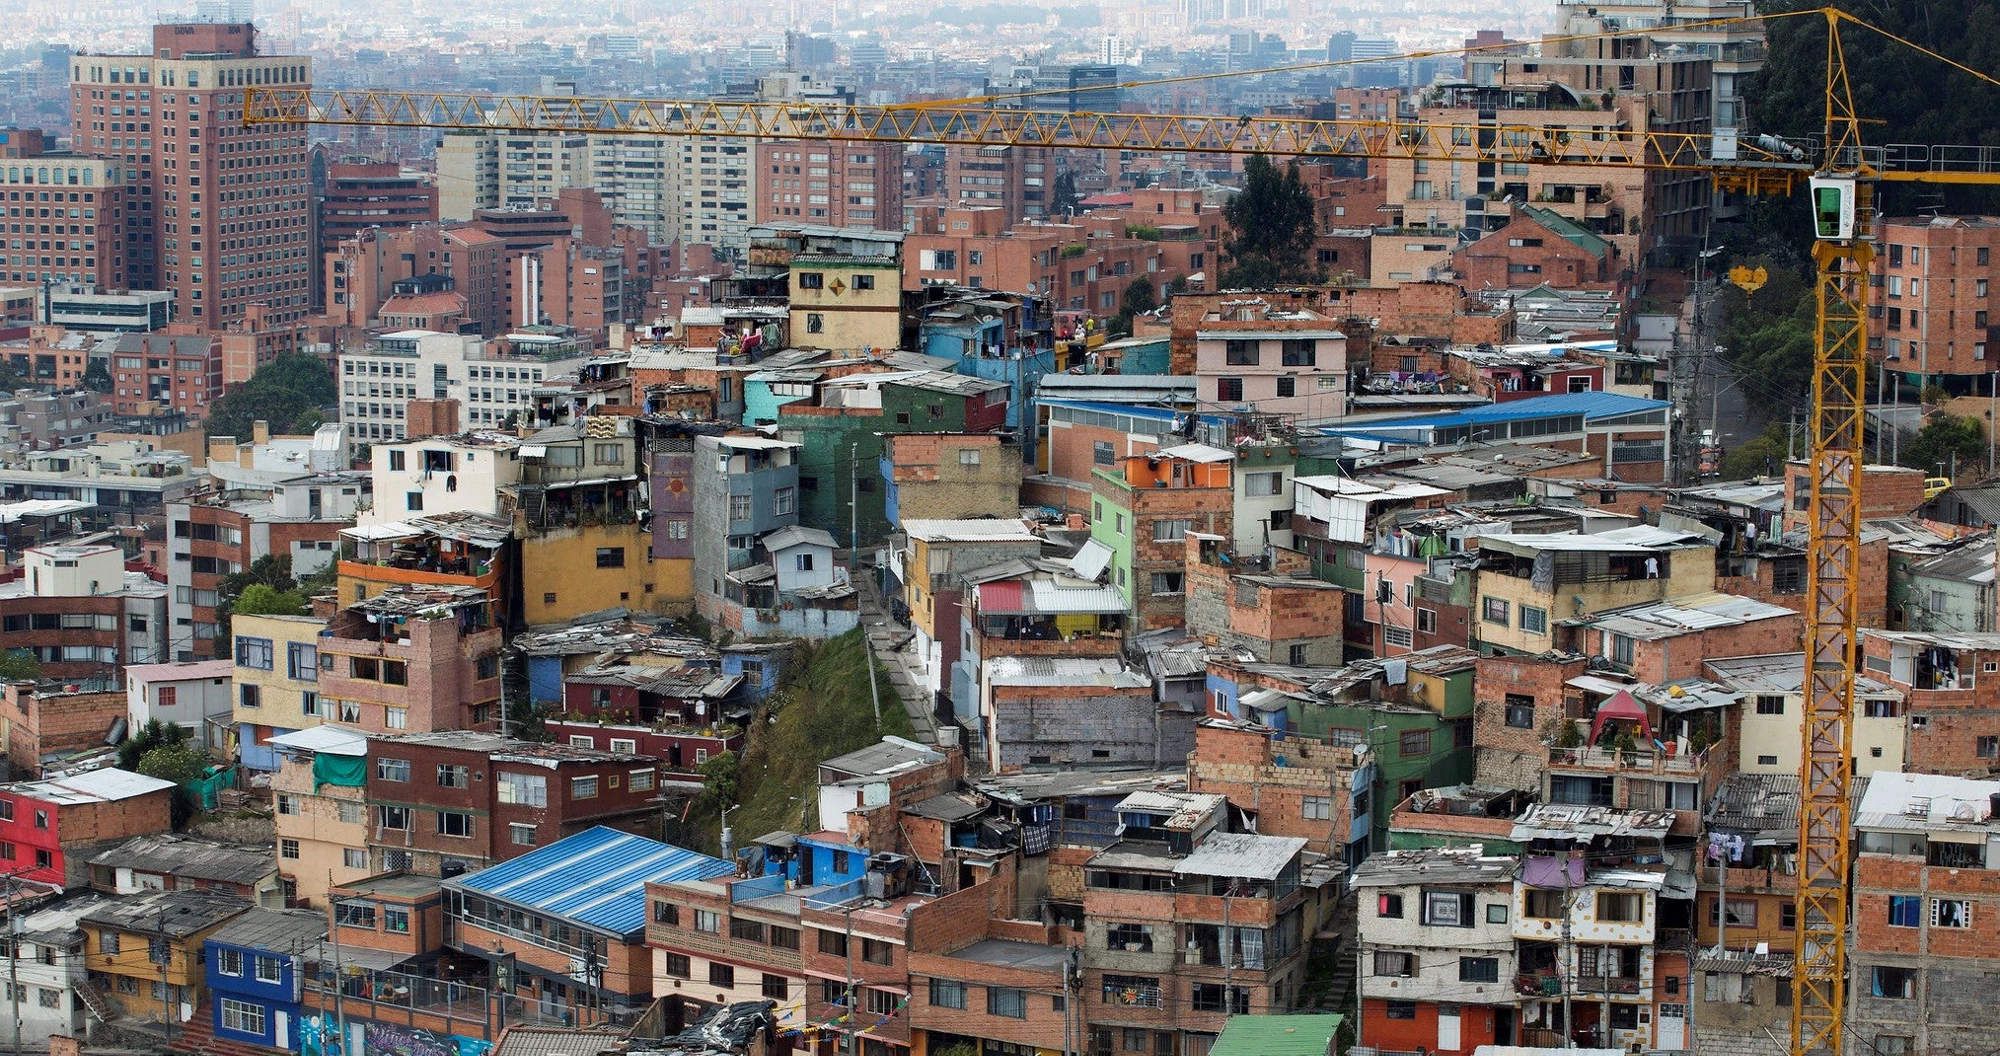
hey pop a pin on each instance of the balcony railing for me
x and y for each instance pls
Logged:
(1645, 759)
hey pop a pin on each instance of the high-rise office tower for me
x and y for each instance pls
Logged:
(221, 213)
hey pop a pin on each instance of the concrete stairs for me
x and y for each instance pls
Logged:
(197, 1038)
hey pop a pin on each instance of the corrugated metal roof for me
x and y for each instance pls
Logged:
(1241, 854)
(1058, 597)
(933, 530)
(1090, 560)
(1590, 405)
(1299, 1034)
(1005, 598)
(596, 878)
(1063, 671)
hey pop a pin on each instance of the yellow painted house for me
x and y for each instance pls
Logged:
(144, 950)
(846, 302)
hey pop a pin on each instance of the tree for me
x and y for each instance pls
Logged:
(1756, 457)
(1945, 443)
(258, 599)
(19, 665)
(1138, 299)
(1063, 197)
(179, 763)
(97, 376)
(154, 734)
(286, 392)
(1273, 225)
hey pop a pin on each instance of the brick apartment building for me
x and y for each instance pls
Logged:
(256, 243)
(1929, 310)
(414, 658)
(71, 208)
(151, 373)
(49, 829)
(835, 184)
(81, 614)
(458, 800)
(58, 722)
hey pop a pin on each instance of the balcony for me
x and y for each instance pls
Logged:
(1641, 760)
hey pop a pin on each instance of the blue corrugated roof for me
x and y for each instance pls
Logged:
(1589, 404)
(595, 878)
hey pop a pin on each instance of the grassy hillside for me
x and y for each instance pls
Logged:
(823, 710)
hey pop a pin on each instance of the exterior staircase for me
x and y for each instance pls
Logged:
(94, 1000)
(197, 1037)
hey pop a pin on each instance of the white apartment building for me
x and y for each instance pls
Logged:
(442, 474)
(377, 383)
(507, 170)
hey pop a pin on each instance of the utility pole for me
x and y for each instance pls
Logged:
(1568, 975)
(16, 927)
(847, 915)
(339, 1008)
(854, 569)
(166, 990)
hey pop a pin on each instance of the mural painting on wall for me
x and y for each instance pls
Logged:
(318, 1036)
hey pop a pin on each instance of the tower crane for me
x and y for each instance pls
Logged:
(1840, 170)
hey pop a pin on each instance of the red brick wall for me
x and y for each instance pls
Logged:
(1509, 756)
(39, 724)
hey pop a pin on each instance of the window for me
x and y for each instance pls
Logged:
(1890, 1044)
(49, 998)
(667, 913)
(524, 790)
(1495, 610)
(638, 780)
(1171, 530)
(1401, 1010)
(1738, 913)
(302, 662)
(1894, 982)
(354, 914)
(1241, 353)
(815, 323)
(396, 818)
(452, 776)
(740, 508)
(521, 835)
(270, 970)
(882, 1002)
(288, 849)
(947, 995)
(583, 788)
(1167, 582)
(242, 1017)
(1133, 938)
(708, 921)
(1395, 964)
(1619, 907)
(454, 823)
(396, 920)
(1229, 390)
(678, 966)
(107, 943)
(775, 987)
(747, 930)
(230, 962)
(1427, 621)
(354, 857)
(611, 557)
(1520, 711)
(721, 974)
(1987, 748)
(1317, 808)
(863, 282)
(1006, 1001)
(784, 500)
(1496, 913)
(1769, 704)
(1102, 453)
(413, 501)
(784, 938)
(1951, 913)
(1448, 909)
(1263, 485)
(1389, 906)
(875, 951)
(1479, 969)
(1414, 742)
(286, 804)
(392, 769)
(253, 652)
(1534, 620)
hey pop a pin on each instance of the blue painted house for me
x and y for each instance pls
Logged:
(254, 975)
(762, 665)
